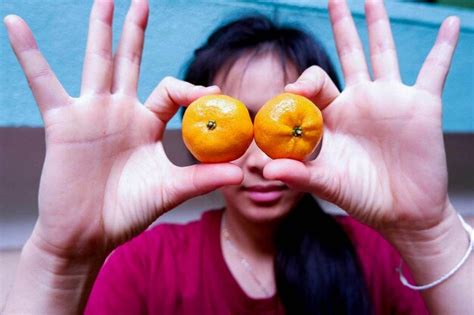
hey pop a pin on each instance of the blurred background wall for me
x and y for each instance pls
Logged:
(175, 29)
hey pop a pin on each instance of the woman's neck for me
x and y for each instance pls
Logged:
(253, 239)
(249, 251)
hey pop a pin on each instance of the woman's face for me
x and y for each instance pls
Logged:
(254, 81)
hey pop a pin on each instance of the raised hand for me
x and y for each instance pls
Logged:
(382, 158)
(106, 176)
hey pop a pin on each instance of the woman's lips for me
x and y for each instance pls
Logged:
(265, 194)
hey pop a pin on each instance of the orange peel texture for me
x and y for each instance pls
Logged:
(217, 128)
(288, 126)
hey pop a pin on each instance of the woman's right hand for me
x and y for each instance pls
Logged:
(106, 176)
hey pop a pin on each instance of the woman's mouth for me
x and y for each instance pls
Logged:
(265, 193)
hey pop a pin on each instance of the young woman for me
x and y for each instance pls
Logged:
(272, 249)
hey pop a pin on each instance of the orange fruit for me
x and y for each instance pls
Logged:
(288, 126)
(217, 128)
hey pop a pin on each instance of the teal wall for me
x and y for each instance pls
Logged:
(176, 27)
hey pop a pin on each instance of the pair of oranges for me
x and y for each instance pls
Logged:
(218, 128)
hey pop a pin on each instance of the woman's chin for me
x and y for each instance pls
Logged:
(266, 211)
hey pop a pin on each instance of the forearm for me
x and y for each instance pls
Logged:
(48, 284)
(431, 254)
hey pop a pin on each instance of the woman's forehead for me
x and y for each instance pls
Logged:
(254, 79)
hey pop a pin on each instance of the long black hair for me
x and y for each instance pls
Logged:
(316, 267)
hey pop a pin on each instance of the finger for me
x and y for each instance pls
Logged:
(294, 173)
(172, 93)
(436, 66)
(130, 48)
(309, 177)
(382, 48)
(97, 72)
(321, 177)
(348, 44)
(199, 179)
(315, 84)
(47, 90)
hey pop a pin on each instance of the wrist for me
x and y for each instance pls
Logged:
(48, 283)
(417, 240)
(434, 251)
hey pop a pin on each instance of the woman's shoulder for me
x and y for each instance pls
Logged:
(165, 258)
(179, 234)
(163, 246)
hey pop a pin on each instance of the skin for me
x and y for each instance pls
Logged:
(250, 221)
(254, 82)
(119, 180)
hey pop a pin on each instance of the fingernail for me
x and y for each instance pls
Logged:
(452, 21)
(199, 88)
(9, 19)
(295, 86)
(290, 86)
(213, 88)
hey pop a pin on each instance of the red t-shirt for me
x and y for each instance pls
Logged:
(180, 269)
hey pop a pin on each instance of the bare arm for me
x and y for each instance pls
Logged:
(431, 254)
(383, 157)
(106, 176)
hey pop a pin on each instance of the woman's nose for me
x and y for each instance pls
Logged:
(256, 159)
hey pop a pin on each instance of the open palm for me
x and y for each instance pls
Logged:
(106, 176)
(382, 158)
(390, 162)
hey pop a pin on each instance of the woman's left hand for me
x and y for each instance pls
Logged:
(382, 158)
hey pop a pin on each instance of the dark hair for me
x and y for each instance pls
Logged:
(255, 34)
(316, 267)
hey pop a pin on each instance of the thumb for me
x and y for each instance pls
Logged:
(315, 84)
(199, 179)
(294, 173)
(303, 176)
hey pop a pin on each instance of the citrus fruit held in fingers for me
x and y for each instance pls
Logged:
(288, 126)
(217, 128)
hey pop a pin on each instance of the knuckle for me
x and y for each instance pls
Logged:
(437, 62)
(103, 54)
(38, 75)
(134, 57)
(315, 72)
(314, 68)
(168, 80)
(382, 46)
